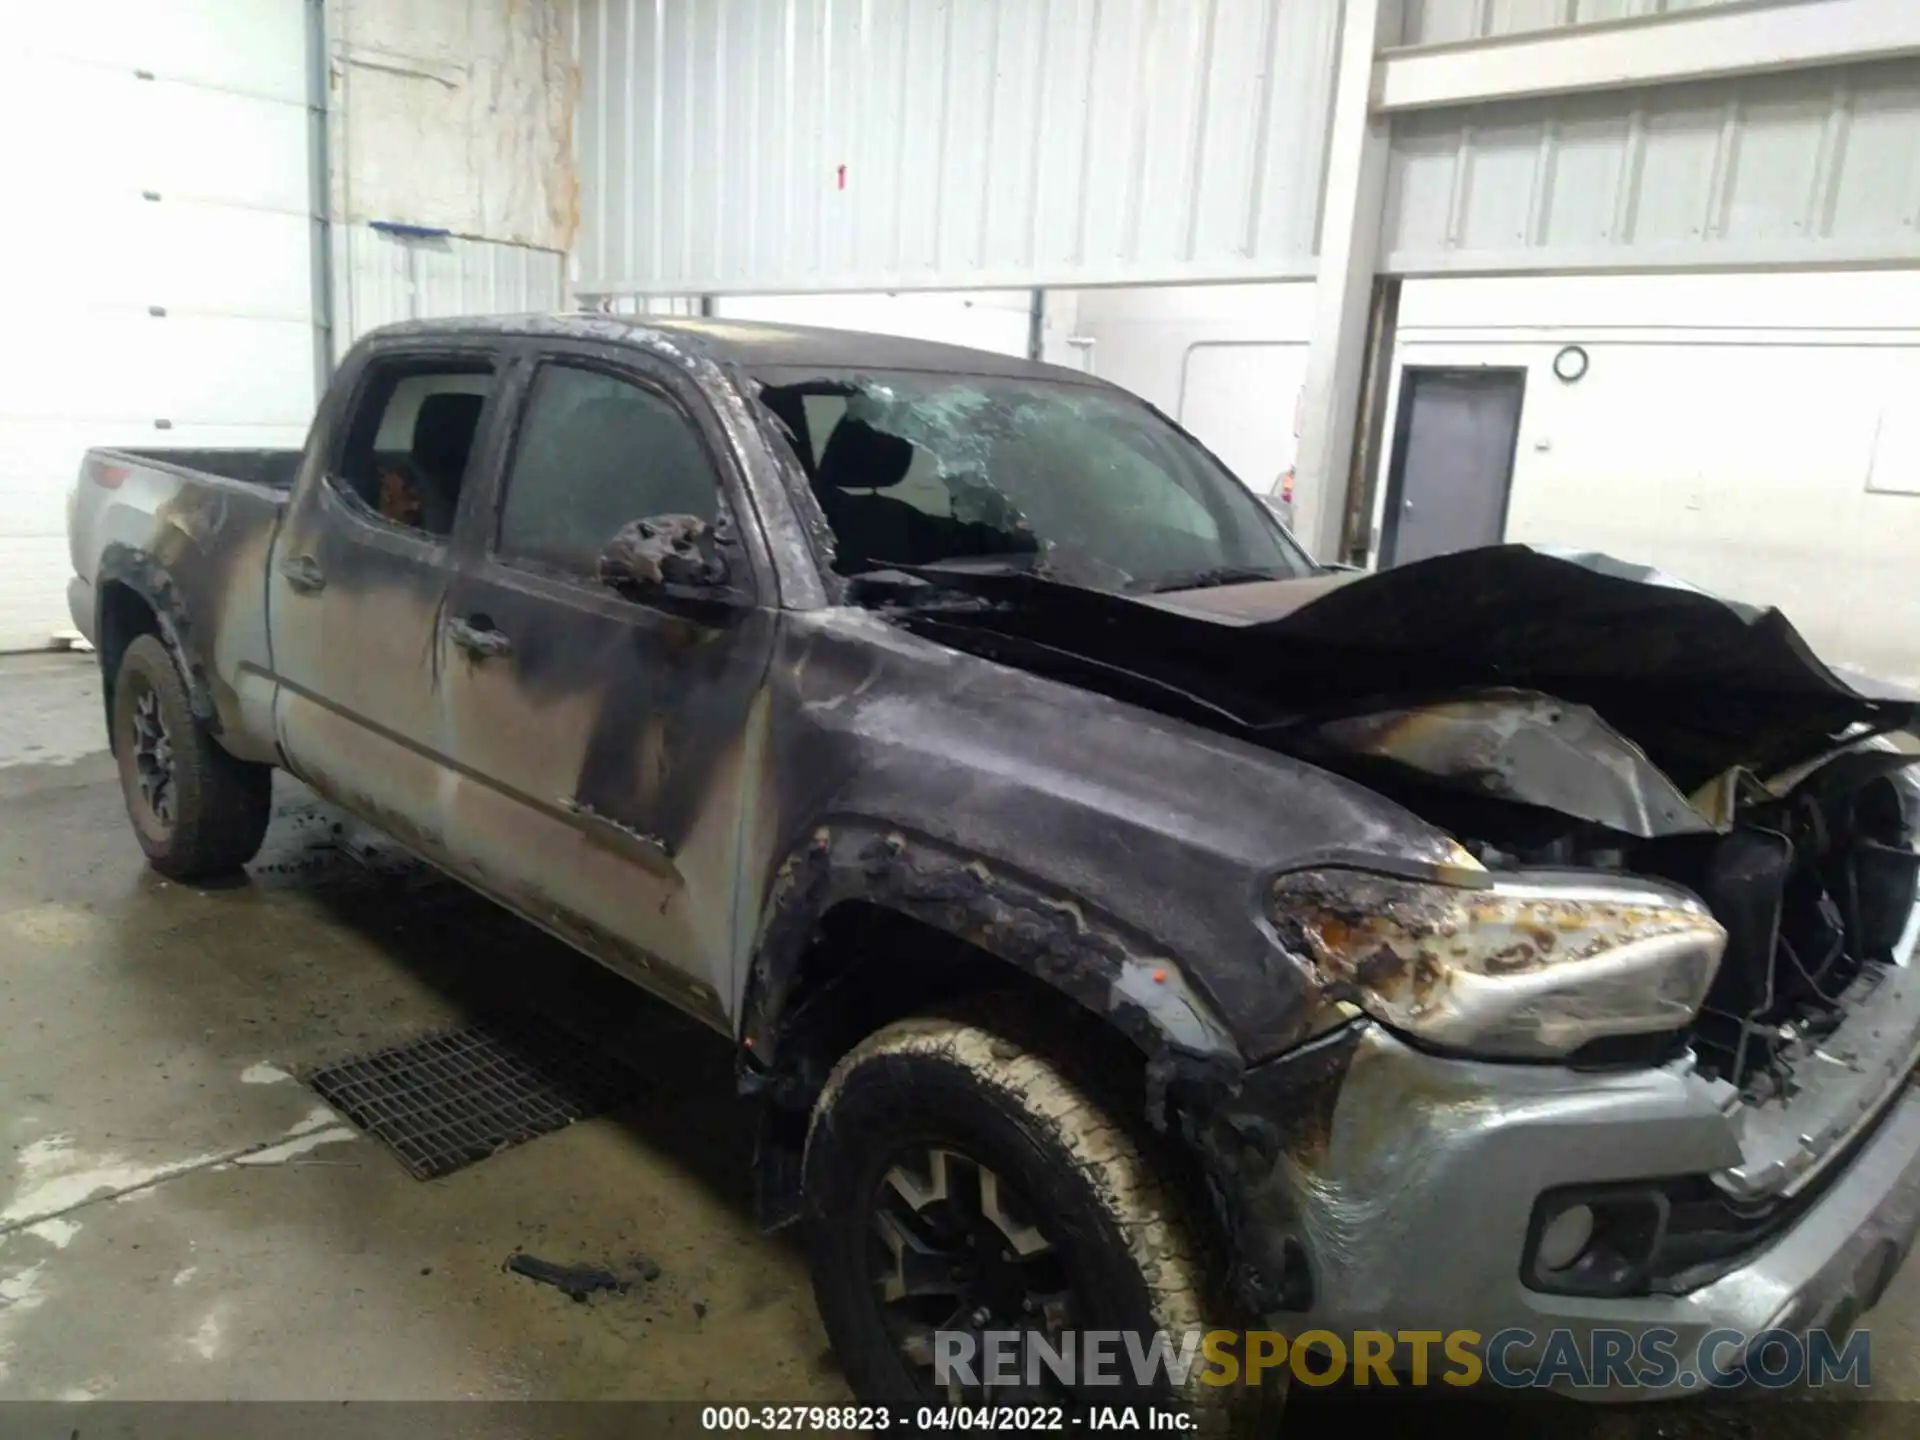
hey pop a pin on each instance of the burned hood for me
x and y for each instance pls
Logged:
(1510, 665)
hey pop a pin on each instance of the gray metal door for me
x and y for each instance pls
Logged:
(1453, 447)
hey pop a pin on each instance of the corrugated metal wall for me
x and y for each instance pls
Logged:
(686, 306)
(391, 278)
(1437, 22)
(1813, 168)
(793, 145)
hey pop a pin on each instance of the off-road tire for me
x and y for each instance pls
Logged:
(1122, 1226)
(220, 805)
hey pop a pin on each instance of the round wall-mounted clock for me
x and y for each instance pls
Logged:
(1570, 364)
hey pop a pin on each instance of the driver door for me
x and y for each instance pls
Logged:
(602, 745)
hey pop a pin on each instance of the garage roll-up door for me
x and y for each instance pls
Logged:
(156, 285)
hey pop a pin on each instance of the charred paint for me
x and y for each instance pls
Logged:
(1519, 746)
(627, 724)
(653, 552)
(1402, 950)
(883, 732)
(1006, 915)
(1696, 683)
(1095, 789)
(198, 566)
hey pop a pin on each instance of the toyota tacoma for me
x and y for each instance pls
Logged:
(1125, 923)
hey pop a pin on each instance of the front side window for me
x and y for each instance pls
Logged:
(1076, 481)
(410, 438)
(594, 453)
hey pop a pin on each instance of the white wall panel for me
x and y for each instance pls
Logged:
(1752, 433)
(1810, 168)
(155, 258)
(1439, 22)
(388, 278)
(679, 305)
(737, 146)
(999, 321)
(234, 371)
(255, 48)
(123, 139)
(1226, 361)
(1747, 433)
(1238, 398)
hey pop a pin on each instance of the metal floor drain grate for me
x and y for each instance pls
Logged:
(446, 1100)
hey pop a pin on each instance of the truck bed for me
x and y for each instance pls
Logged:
(274, 469)
(189, 533)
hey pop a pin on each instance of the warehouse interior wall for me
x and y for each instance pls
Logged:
(996, 320)
(163, 274)
(451, 131)
(1753, 434)
(737, 146)
(1443, 22)
(156, 261)
(1226, 361)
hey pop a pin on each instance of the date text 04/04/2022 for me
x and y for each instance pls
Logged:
(991, 1419)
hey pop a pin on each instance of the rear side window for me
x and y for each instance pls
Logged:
(411, 438)
(595, 453)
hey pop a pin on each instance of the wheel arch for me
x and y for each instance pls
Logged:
(856, 892)
(133, 596)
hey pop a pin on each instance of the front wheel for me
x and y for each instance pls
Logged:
(198, 811)
(962, 1188)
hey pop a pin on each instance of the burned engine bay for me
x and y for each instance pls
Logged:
(1550, 711)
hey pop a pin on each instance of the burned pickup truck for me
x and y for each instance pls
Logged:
(1125, 923)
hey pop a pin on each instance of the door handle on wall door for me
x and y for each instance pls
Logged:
(478, 637)
(304, 574)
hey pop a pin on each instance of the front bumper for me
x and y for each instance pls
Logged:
(1412, 1192)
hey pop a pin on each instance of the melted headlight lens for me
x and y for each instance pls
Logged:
(1535, 965)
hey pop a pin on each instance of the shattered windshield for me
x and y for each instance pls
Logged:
(1079, 482)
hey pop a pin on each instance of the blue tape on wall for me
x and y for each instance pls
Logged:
(409, 232)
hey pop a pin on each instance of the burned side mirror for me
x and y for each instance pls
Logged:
(664, 554)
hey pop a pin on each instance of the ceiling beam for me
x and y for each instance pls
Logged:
(1735, 39)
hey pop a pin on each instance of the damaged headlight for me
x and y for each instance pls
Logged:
(1528, 966)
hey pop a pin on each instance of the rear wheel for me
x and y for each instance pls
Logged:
(198, 812)
(961, 1184)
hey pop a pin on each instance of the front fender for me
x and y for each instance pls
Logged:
(1015, 917)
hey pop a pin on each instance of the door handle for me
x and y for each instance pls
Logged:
(304, 574)
(478, 637)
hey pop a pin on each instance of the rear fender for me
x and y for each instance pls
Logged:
(142, 573)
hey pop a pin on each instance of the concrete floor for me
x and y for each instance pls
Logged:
(183, 1220)
(180, 1219)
